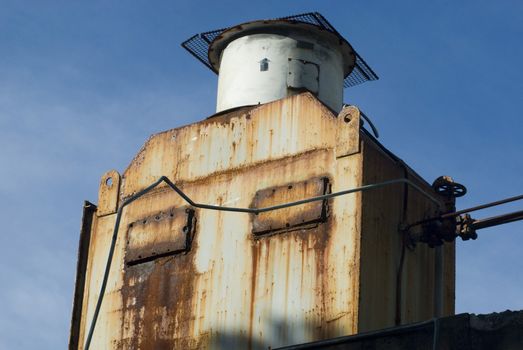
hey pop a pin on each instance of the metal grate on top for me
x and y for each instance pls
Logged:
(198, 46)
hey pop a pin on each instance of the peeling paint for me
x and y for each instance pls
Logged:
(235, 290)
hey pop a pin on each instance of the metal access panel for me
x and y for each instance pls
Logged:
(303, 74)
(297, 217)
(164, 233)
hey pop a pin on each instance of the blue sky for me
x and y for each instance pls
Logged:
(83, 84)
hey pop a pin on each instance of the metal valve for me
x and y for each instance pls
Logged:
(445, 186)
(465, 228)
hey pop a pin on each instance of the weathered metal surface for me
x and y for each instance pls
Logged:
(108, 194)
(223, 255)
(496, 331)
(233, 290)
(304, 75)
(89, 210)
(307, 215)
(229, 142)
(348, 135)
(383, 212)
(164, 233)
(110, 316)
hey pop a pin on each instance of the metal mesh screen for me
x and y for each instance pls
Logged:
(198, 46)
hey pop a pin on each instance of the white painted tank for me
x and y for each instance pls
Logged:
(263, 61)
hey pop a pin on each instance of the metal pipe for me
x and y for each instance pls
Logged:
(438, 282)
(483, 206)
(468, 210)
(497, 220)
(165, 179)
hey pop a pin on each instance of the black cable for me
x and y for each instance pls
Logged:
(374, 130)
(435, 334)
(404, 237)
(365, 117)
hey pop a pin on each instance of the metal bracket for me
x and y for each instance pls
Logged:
(108, 194)
(348, 132)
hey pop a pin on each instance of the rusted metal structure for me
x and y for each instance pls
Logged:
(186, 277)
(195, 278)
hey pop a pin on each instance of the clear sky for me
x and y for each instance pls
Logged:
(83, 84)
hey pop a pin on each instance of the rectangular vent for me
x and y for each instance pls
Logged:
(165, 233)
(302, 216)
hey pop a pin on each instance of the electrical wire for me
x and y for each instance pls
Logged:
(404, 237)
(374, 129)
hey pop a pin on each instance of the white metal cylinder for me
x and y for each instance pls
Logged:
(260, 67)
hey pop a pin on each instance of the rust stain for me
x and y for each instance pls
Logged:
(158, 299)
(204, 156)
(108, 194)
(310, 245)
(233, 289)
